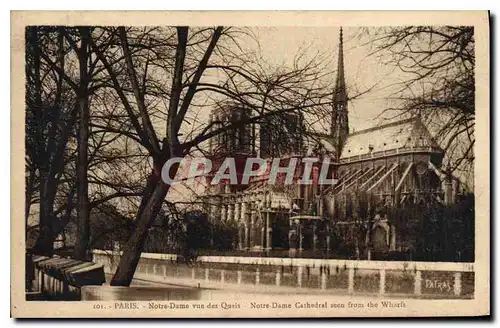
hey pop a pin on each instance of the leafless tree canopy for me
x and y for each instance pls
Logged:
(437, 82)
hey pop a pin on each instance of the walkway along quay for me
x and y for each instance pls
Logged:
(438, 280)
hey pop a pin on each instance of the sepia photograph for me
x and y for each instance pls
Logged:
(251, 170)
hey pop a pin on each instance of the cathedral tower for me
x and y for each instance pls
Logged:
(340, 120)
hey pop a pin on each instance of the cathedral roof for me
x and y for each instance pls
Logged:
(406, 134)
(409, 134)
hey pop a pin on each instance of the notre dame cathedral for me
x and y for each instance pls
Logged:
(376, 168)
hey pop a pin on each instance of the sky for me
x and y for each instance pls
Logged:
(362, 71)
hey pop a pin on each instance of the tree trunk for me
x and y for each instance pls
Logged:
(83, 226)
(30, 181)
(133, 249)
(83, 212)
(45, 242)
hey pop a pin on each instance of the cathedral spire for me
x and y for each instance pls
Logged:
(340, 122)
(340, 87)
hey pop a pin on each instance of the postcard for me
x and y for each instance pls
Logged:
(250, 164)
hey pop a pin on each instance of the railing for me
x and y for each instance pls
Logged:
(410, 279)
(384, 153)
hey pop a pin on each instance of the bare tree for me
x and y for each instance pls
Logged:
(436, 64)
(82, 91)
(63, 78)
(50, 116)
(206, 67)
